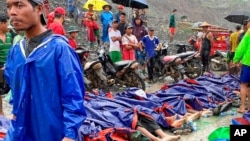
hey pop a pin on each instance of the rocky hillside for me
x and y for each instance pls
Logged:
(212, 11)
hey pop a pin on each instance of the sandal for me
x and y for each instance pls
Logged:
(225, 107)
(182, 130)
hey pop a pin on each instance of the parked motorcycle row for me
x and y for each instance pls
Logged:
(103, 74)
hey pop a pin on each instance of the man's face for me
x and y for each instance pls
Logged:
(91, 8)
(122, 18)
(129, 31)
(106, 8)
(22, 15)
(73, 35)
(205, 28)
(151, 32)
(4, 27)
(120, 9)
(115, 25)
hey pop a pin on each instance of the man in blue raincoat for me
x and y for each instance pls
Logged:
(106, 19)
(45, 77)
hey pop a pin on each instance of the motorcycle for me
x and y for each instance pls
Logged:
(178, 65)
(94, 77)
(124, 73)
(219, 61)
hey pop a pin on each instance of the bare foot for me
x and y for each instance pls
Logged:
(171, 138)
(178, 123)
(236, 92)
(194, 116)
(206, 112)
(171, 119)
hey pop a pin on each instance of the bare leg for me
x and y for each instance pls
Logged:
(171, 37)
(194, 116)
(147, 134)
(243, 94)
(1, 107)
(166, 137)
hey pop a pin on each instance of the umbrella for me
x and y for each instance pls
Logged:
(238, 16)
(98, 4)
(140, 4)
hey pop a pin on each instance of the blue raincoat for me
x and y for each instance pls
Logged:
(48, 91)
(106, 19)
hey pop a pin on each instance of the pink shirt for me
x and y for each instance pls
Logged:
(128, 54)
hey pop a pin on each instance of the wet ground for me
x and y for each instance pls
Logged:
(204, 125)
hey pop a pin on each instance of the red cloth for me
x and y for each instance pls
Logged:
(91, 26)
(128, 54)
(57, 28)
(72, 43)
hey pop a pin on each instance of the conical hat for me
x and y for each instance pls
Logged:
(205, 24)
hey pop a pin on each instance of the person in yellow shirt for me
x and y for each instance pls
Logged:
(234, 41)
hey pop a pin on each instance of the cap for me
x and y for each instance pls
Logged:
(60, 10)
(72, 29)
(115, 21)
(42, 16)
(120, 7)
(151, 29)
(129, 25)
(110, 7)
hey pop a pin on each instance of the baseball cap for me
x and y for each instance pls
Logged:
(151, 29)
(60, 10)
(42, 16)
(129, 25)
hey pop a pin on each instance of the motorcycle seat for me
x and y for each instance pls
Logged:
(88, 65)
(121, 64)
(180, 45)
(170, 58)
(185, 54)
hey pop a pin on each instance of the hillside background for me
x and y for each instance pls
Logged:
(212, 11)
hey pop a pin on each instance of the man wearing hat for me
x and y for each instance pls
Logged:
(150, 43)
(242, 54)
(5, 44)
(72, 36)
(106, 19)
(45, 77)
(115, 39)
(118, 13)
(206, 45)
(91, 14)
(57, 25)
(129, 43)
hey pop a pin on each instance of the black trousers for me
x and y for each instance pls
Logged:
(205, 59)
(150, 67)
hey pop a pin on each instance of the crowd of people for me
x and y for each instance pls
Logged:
(42, 70)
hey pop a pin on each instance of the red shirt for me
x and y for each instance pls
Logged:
(57, 28)
(72, 43)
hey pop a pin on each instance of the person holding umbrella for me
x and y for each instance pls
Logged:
(72, 36)
(242, 54)
(106, 19)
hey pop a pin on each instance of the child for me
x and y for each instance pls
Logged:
(72, 36)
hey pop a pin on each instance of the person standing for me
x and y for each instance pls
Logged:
(71, 5)
(206, 45)
(45, 77)
(118, 13)
(72, 36)
(106, 19)
(245, 28)
(172, 25)
(115, 39)
(57, 25)
(129, 44)
(144, 17)
(5, 44)
(150, 43)
(242, 54)
(234, 41)
(122, 23)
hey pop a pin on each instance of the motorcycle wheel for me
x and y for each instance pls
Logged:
(135, 80)
(194, 69)
(214, 66)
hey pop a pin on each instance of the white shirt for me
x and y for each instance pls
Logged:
(129, 39)
(114, 46)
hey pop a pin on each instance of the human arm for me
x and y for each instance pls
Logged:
(72, 91)
(230, 43)
(242, 47)
(113, 36)
(210, 37)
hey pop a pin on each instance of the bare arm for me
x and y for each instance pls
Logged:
(210, 37)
